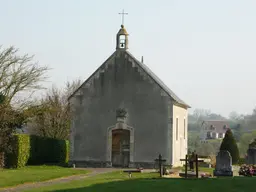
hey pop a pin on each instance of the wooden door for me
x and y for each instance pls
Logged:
(120, 148)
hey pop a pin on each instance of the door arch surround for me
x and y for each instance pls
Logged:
(120, 125)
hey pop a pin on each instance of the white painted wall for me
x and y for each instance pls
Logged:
(180, 138)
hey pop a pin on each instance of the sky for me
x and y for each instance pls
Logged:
(203, 50)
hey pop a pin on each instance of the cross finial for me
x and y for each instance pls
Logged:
(123, 13)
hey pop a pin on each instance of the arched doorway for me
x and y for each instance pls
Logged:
(120, 147)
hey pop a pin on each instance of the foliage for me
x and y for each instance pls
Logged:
(198, 116)
(252, 144)
(18, 75)
(241, 161)
(202, 149)
(212, 157)
(193, 141)
(205, 149)
(19, 155)
(52, 116)
(48, 151)
(13, 177)
(244, 142)
(35, 150)
(9, 121)
(229, 144)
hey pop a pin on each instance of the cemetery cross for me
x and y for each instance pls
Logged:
(160, 160)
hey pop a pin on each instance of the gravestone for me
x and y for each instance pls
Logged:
(251, 153)
(223, 164)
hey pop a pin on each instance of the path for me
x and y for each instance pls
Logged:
(95, 171)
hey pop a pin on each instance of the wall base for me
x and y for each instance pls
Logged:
(107, 164)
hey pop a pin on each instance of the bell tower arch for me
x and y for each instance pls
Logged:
(122, 39)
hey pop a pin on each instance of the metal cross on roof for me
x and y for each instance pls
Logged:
(123, 13)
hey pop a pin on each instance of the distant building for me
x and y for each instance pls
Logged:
(213, 129)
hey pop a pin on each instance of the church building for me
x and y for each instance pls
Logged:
(123, 115)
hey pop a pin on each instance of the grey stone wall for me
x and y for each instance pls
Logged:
(121, 84)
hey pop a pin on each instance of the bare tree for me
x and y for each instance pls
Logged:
(52, 118)
(18, 74)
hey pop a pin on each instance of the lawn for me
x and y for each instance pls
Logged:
(115, 182)
(202, 169)
(11, 177)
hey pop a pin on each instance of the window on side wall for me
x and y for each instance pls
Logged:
(184, 128)
(177, 128)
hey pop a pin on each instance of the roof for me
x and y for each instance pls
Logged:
(149, 72)
(159, 82)
(122, 31)
(219, 125)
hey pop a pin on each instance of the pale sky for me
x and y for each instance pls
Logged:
(205, 51)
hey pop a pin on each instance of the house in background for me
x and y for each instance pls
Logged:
(213, 129)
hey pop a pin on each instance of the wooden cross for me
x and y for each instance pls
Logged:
(123, 13)
(160, 160)
(186, 165)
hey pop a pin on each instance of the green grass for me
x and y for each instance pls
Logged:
(115, 182)
(202, 169)
(11, 177)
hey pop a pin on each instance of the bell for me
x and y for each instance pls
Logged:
(122, 45)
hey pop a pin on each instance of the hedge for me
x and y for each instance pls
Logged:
(35, 150)
(20, 151)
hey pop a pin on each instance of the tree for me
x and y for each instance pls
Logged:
(245, 140)
(196, 119)
(234, 116)
(229, 144)
(52, 116)
(18, 74)
(205, 149)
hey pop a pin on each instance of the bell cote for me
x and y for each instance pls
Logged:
(122, 39)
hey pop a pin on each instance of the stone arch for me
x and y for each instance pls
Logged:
(120, 125)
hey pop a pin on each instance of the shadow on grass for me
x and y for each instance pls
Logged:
(174, 184)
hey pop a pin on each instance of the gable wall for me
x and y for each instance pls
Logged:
(121, 85)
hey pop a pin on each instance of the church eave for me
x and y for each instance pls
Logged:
(89, 78)
(185, 106)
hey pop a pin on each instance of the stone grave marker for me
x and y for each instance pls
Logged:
(223, 164)
(251, 153)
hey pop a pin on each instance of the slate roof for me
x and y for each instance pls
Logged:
(150, 73)
(159, 82)
(220, 126)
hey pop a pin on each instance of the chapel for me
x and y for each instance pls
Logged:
(123, 115)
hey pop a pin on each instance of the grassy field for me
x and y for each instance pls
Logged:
(11, 177)
(115, 182)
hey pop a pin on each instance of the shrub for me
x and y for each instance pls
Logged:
(241, 161)
(19, 154)
(212, 157)
(48, 151)
(2, 161)
(229, 144)
(35, 150)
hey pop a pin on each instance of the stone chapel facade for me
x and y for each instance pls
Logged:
(124, 115)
